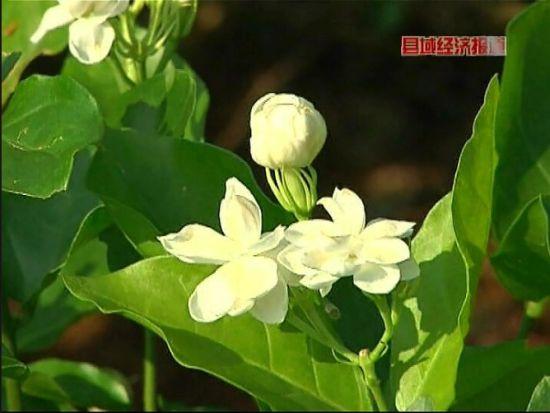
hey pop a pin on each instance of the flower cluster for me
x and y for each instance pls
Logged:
(256, 269)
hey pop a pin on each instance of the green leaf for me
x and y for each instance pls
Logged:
(153, 185)
(173, 103)
(8, 61)
(19, 21)
(42, 386)
(522, 260)
(523, 124)
(499, 378)
(449, 247)
(540, 400)
(83, 384)
(48, 120)
(37, 234)
(104, 83)
(276, 364)
(12, 367)
(55, 310)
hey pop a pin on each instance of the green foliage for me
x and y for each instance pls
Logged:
(104, 83)
(11, 367)
(523, 257)
(55, 384)
(55, 310)
(540, 400)
(173, 102)
(523, 148)
(37, 233)
(429, 337)
(166, 184)
(80, 384)
(48, 120)
(499, 378)
(277, 364)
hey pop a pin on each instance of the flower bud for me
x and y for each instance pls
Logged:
(287, 131)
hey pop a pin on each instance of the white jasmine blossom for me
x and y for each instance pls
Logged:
(249, 278)
(287, 131)
(90, 34)
(323, 251)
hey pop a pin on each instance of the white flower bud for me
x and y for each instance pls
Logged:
(287, 131)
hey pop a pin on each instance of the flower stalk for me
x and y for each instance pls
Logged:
(149, 372)
(368, 359)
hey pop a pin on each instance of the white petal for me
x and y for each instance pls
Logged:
(385, 251)
(325, 290)
(268, 241)
(251, 277)
(387, 228)
(339, 259)
(77, 8)
(212, 298)
(90, 42)
(291, 257)
(240, 215)
(272, 307)
(312, 232)
(53, 18)
(376, 279)
(346, 210)
(199, 244)
(409, 269)
(240, 307)
(318, 281)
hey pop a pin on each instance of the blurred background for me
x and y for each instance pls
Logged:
(396, 127)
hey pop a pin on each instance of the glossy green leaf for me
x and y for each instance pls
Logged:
(276, 364)
(540, 400)
(501, 377)
(172, 103)
(47, 121)
(42, 386)
(11, 366)
(522, 260)
(523, 124)
(449, 247)
(8, 61)
(104, 83)
(37, 234)
(83, 384)
(154, 185)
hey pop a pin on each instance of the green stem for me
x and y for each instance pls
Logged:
(149, 373)
(369, 371)
(533, 311)
(13, 391)
(368, 359)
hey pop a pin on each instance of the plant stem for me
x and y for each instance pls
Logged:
(368, 359)
(13, 391)
(149, 379)
(533, 311)
(369, 371)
